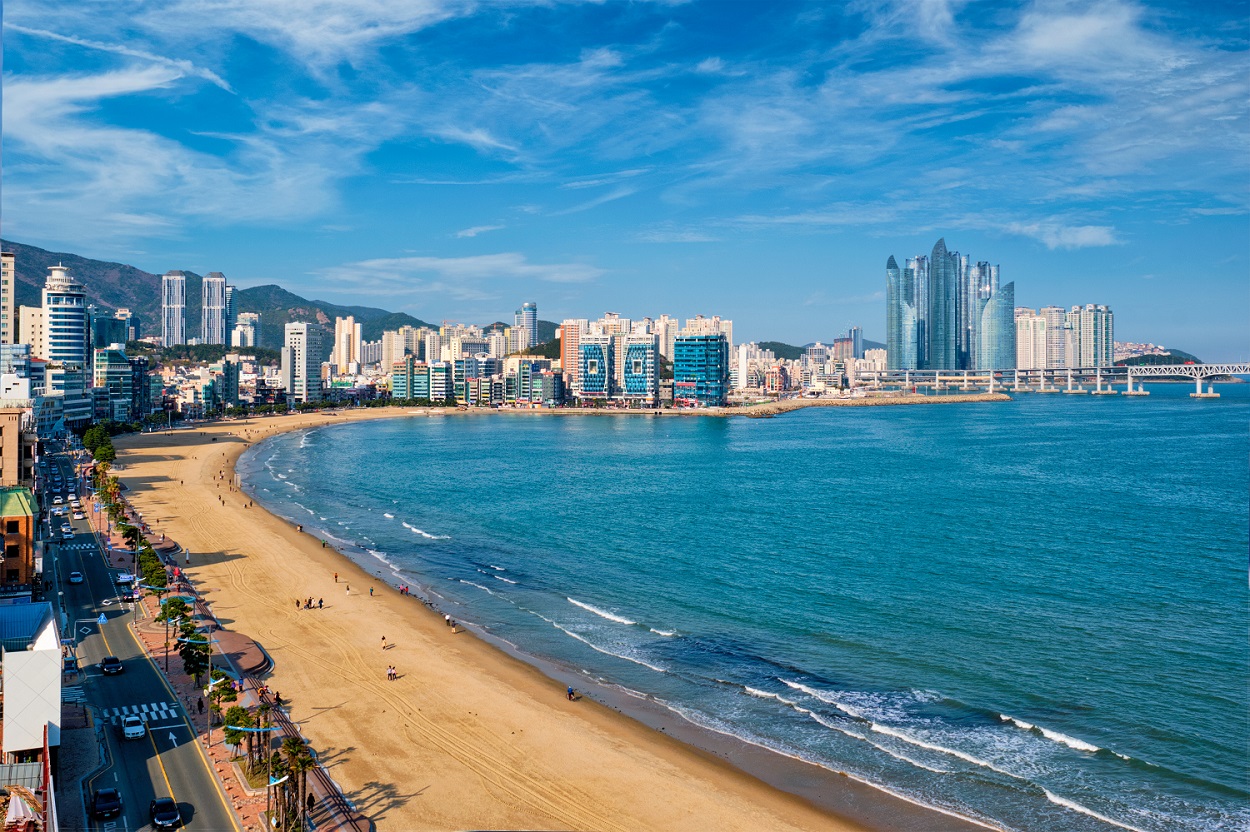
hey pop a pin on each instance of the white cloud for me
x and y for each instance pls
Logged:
(1055, 235)
(476, 230)
(414, 274)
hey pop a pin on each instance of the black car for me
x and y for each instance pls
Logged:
(110, 665)
(106, 803)
(164, 813)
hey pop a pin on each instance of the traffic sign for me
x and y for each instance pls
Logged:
(101, 619)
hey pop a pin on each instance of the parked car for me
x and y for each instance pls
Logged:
(133, 728)
(75, 577)
(110, 665)
(164, 813)
(106, 803)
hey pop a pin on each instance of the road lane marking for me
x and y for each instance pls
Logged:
(161, 763)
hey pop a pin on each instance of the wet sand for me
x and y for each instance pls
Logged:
(468, 736)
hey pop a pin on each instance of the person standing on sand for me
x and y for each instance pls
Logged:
(349, 588)
(370, 592)
(383, 642)
(570, 693)
(447, 619)
(336, 577)
(321, 603)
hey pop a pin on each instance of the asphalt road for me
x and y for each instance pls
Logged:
(166, 762)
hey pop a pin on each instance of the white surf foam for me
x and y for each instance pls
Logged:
(763, 694)
(601, 613)
(919, 743)
(389, 516)
(1055, 736)
(502, 578)
(479, 586)
(496, 568)
(597, 648)
(1085, 810)
(827, 698)
(665, 633)
(425, 534)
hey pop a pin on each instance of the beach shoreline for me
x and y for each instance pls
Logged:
(481, 734)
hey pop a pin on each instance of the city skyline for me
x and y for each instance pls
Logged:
(445, 159)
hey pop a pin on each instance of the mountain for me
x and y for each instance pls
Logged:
(116, 285)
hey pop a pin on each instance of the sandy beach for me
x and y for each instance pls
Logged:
(468, 736)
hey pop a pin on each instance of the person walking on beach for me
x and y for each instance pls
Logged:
(349, 588)
(447, 619)
(570, 693)
(383, 642)
(321, 602)
(370, 592)
(336, 577)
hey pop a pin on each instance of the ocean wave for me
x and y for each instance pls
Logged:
(601, 613)
(425, 534)
(605, 651)
(828, 698)
(763, 694)
(281, 476)
(1085, 810)
(1055, 736)
(703, 723)
(496, 568)
(919, 743)
(479, 586)
(502, 578)
(665, 633)
(389, 516)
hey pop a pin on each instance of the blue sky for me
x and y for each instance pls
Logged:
(759, 161)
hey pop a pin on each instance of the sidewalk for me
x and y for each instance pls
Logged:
(331, 810)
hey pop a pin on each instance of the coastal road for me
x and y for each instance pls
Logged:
(166, 762)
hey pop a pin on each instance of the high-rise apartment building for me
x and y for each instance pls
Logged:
(347, 340)
(666, 327)
(527, 316)
(1056, 320)
(8, 293)
(597, 366)
(30, 328)
(640, 375)
(246, 331)
(65, 339)
(1031, 340)
(945, 313)
(213, 309)
(571, 332)
(301, 362)
(701, 369)
(394, 348)
(232, 312)
(699, 325)
(173, 308)
(1094, 328)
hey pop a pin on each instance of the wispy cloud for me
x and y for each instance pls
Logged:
(411, 274)
(183, 66)
(602, 199)
(476, 230)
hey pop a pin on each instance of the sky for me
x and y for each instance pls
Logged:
(758, 161)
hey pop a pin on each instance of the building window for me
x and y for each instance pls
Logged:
(592, 367)
(637, 366)
(12, 527)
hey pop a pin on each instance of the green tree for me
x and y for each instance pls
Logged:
(194, 648)
(105, 452)
(238, 717)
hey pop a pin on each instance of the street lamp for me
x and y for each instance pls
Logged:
(209, 710)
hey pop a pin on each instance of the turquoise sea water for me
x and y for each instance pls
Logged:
(1033, 614)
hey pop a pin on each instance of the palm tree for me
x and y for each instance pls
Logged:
(295, 750)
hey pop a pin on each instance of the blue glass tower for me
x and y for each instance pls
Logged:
(701, 369)
(597, 366)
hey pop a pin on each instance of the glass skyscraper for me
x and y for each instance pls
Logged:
(943, 313)
(701, 369)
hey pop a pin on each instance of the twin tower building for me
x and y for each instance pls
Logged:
(944, 312)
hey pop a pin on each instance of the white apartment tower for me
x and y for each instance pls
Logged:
(64, 320)
(173, 308)
(301, 362)
(246, 332)
(347, 339)
(1031, 340)
(8, 291)
(213, 311)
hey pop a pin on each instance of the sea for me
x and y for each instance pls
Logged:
(1030, 614)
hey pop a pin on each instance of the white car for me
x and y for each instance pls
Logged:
(56, 501)
(133, 728)
(78, 515)
(66, 528)
(75, 577)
